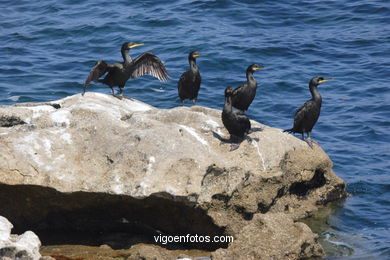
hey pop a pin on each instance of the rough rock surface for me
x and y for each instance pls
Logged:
(78, 162)
(136, 252)
(23, 247)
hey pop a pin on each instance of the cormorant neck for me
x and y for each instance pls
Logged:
(250, 78)
(126, 56)
(192, 62)
(228, 103)
(315, 93)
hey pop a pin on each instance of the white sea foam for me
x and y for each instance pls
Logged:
(14, 98)
(158, 90)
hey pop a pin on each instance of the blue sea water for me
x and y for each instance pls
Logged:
(48, 47)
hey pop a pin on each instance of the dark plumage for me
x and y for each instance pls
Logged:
(235, 120)
(119, 73)
(307, 115)
(244, 94)
(189, 82)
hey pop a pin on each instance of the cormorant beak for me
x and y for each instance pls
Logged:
(324, 80)
(136, 45)
(257, 68)
(197, 55)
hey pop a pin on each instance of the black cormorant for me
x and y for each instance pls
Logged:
(235, 120)
(119, 73)
(307, 115)
(244, 94)
(189, 82)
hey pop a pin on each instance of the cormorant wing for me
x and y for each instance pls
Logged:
(183, 77)
(238, 90)
(301, 113)
(242, 118)
(147, 63)
(238, 95)
(96, 72)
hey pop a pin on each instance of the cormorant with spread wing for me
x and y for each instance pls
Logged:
(119, 73)
(189, 82)
(235, 120)
(307, 115)
(243, 95)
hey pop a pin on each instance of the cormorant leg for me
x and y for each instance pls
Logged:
(313, 141)
(193, 101)
(120, 93)
(235, 142)
(226, 141)
(308, 140)
(113, 92)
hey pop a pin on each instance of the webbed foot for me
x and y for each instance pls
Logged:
(310, 142)
(234, 142)
(234, 147)
(119, 97)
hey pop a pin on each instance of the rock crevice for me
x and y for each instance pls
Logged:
(98, 218)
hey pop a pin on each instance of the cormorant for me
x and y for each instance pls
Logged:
(235, 120)
(189, 82)
(244, 94)
(307, 115)
(119, 73)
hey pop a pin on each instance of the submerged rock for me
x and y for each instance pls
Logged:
(96, 164)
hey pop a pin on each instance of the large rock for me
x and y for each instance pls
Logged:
(161, 170)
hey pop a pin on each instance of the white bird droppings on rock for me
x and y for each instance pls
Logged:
(47, 144)
(256, 145)
(136, 106)
(171, 190)
(67, 137)
(61, 117)
(38, 110)
(212, 123)
(152, 159)
(192, 131)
